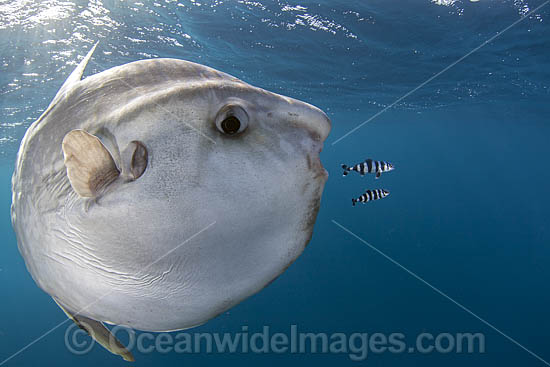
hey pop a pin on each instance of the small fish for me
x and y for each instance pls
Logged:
(369, 166)
(370, 195)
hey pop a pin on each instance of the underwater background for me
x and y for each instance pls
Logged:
(461, 245)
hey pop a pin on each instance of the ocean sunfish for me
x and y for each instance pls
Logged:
(160, 193)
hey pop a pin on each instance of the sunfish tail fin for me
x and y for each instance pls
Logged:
(100, 334)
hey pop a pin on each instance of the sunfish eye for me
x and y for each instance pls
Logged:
(230, 125)
(232, 119)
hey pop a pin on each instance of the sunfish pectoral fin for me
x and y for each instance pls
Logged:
(378, 173)
(90, 166)
(100, 334)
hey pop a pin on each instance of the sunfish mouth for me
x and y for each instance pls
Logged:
(319, 130)
(317, 125)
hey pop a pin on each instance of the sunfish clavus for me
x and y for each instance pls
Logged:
(160, 193)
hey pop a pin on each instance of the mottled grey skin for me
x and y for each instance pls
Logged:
(132, 255)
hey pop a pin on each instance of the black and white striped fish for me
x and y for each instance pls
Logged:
(370, 195)
(369, 166)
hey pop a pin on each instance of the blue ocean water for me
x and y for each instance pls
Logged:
(462, 244)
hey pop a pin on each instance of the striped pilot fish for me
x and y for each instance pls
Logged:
(369, 166)
(370, 195)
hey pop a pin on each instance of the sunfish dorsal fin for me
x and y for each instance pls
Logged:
(100, 334)
(90, 166)
(75, 76)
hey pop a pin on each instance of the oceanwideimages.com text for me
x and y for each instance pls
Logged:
(356, 346)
